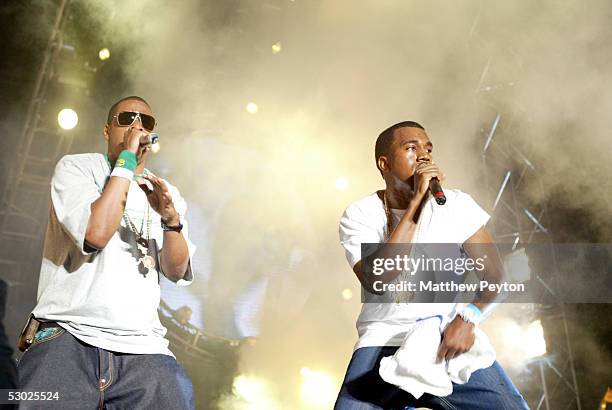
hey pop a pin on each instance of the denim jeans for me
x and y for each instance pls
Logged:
(363, 389)
(87, 377)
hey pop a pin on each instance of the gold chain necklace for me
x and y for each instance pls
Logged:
(398, 296)
(389, 229)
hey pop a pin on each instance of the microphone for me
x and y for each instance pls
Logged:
(436, 190)
(149, 139)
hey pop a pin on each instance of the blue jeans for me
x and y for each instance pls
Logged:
(363, 389)
(87, 377)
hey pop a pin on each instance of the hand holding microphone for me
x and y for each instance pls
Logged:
(436, 190)
(148, 140)
(427, 177)
(139, 141)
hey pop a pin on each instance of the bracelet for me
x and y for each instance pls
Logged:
(127, 160)
(125, 165)
(166, 228)
(122, 173)
(471, 313)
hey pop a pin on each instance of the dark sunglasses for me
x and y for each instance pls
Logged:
(127, 118)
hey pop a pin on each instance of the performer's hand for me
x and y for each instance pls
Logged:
(131, 142)
(457, 338)
(423, 173)
(161, 200)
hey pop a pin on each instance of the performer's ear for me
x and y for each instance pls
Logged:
(106, 132)
(383, 164)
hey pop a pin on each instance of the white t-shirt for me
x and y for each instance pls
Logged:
(102, 298)
(364, 221)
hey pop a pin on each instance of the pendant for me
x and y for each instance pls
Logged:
(142, 242)
(148, 262)
(145, 261)
(147, 255)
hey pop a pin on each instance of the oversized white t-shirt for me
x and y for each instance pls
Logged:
(365, 221)
(102, 298)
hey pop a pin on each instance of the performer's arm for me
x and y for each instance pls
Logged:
(404, 231)
(481, 246)
(458, 337)
(403, 234)
(107, 210)
(174, 256)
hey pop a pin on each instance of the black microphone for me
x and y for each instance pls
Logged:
(436, 190)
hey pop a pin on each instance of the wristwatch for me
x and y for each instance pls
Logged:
(176, 228)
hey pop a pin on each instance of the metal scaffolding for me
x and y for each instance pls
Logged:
(25, 197)
(506, 168)
(21, 198)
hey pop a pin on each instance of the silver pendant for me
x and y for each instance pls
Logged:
(148, 262)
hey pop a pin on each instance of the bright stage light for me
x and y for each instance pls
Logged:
(277, 48)
(104, 54)
(252, 108)
(347, 294)
(513, 333)
(155, 148)
(253, 394)
(342, 183)
(520, 343)
(251, 389)
(67, 118)
(318, 389)
(533, 340)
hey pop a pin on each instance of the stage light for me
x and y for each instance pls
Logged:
(318, 389)
(347, 294)
(342, 183)
(67, 119)
(252, 108)
(519, 343)
(249, 388)
(253, 393)
(104, 54)
(277, 48)
(517, 265)
(533, 340)
(512, 333)
(155, 148)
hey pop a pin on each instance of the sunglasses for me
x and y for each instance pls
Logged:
(127, 118)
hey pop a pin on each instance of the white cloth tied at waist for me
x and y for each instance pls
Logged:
(413, 367)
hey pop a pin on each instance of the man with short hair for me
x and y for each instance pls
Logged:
(405, 213)
(113, 228)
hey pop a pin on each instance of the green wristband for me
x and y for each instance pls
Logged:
(126, 160)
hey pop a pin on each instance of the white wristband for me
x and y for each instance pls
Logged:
(122, 173)
(470, 313)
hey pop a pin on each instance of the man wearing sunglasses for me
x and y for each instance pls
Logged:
(94, 337)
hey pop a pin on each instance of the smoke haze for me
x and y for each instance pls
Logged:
(346, 71)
